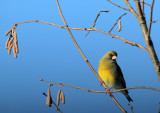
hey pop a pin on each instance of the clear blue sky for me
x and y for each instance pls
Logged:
(48, 52)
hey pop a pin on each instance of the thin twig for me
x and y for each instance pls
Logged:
(116, 22)
(118, 5)
(96, 20)
(125, 40)
(54, 25)
(150, 21)
(131, 107)
(87, 61)
(57, 108)
(89, 90)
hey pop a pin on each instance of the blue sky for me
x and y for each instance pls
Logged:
(48, 52)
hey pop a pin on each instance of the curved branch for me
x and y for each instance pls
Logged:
(89, 90)
(54, 25)
(125, 40)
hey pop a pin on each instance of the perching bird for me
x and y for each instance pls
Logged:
(111, 73)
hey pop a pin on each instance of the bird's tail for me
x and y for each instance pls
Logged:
(128, 97)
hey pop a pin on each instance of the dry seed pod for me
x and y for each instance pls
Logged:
(48, 99)
(63, 98)
(9, 50)
(16, 47)
(58, 97)
(14, 51)
(8, 32)
(119, 25)
(6, 46)
(10, 41)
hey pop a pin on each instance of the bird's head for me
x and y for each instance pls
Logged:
(112, 55)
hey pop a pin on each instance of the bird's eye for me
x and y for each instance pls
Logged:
(111, 55)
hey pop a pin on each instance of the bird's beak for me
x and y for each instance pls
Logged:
(114, 57)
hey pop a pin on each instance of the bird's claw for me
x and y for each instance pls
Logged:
(108, 89)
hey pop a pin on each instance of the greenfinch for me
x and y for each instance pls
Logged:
(111, 73)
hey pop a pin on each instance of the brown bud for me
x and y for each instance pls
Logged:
(63, 98)
(58, 97)
(48, 99)
(9, 50)
(6, 46)
(8, 32)
(41, 79)
(119, 25)
(14, 51)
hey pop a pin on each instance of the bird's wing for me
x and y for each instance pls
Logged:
(120, 74)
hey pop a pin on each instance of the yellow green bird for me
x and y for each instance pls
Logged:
(111, 73)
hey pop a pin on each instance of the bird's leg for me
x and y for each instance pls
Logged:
(108, 89)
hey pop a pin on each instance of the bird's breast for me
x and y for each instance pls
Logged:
(106, 75)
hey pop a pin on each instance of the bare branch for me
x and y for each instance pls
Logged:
(94, 91)
(77, 46)
(150, 21)
(117, 22)
(96, 20)
(54, 25)
(148, 39)
(118, 6)
(125, 40)
(130, 8)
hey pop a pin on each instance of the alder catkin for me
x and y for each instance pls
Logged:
(15, 37)
(9, 50)
(14, 51)
(48, 99)
(16, 47)
(8, 32)
(6, 46)
(119, 25)
(58, 97)
(63, 98)
(10, 41)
